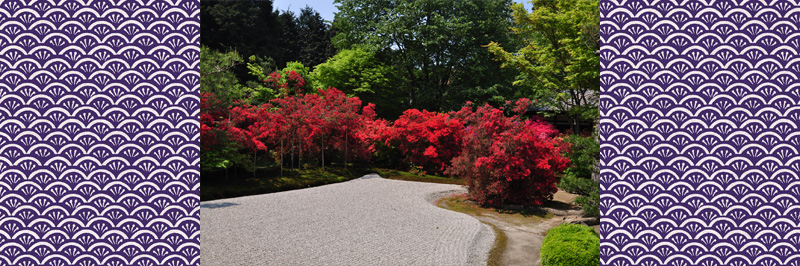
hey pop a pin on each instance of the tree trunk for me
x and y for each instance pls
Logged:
(291, 156)
(299, 152)
(345, 147)
(322, 148)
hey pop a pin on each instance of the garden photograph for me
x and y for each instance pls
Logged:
(399, 132)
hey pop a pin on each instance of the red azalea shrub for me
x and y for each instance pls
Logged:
(281, 82)
(428, 140)
(255, 127)
(211, 113)
(352, 134)
(309, 126)
(506, 160)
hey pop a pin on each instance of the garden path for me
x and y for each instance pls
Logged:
(525, 235)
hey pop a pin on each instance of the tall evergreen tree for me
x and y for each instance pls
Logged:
(255, 28)
(289, 39)
(249, 27)
(315, 41)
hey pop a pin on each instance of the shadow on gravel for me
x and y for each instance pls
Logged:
(217, 205)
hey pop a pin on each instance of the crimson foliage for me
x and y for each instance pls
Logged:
(212, 111)
(302, 128)
(504, 159)
(507, 160)
(427, 139)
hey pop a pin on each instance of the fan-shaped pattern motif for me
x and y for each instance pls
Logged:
(99, 138)
(700, 112)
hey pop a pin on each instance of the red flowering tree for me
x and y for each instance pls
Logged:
(371, 131)
(506, 160)
(326, 125)
(211, 111)
(254, 128)
(346, 122)
(427, 139)
(218, 150)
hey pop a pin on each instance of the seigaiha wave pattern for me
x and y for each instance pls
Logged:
(99, 137)
(700, 112)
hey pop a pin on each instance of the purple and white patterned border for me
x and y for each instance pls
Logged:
(700, 133)
(99, 138)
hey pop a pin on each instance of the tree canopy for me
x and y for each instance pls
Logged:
(255, 28)
(434, 45)
(558, 63)
(360, 73)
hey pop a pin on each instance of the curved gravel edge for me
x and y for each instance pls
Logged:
(482, 242)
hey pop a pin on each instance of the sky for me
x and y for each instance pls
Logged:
(326, 8)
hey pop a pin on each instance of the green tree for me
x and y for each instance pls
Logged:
(253, 27)
(579, 177)
(435, 46)
(316, 42)
(217, 76)
(249, 27)
(559, 64)
(358, 72)
(289, 39)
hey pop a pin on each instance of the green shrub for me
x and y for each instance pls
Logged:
(578, 177)
(584, 152)
(571, 245)
(590, 203)
(588, 191)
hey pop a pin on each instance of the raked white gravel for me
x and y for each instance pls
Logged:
(366, 221)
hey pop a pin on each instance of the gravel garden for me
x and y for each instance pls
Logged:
(347, 143)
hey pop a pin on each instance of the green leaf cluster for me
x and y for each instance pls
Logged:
(224, 156)
(259, 68)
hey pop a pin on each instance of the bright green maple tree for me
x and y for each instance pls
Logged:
(357, 72)
(559, 64)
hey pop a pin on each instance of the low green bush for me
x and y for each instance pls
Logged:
(577, 179)
(571, 245)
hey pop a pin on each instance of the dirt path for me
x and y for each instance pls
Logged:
(525, 229)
